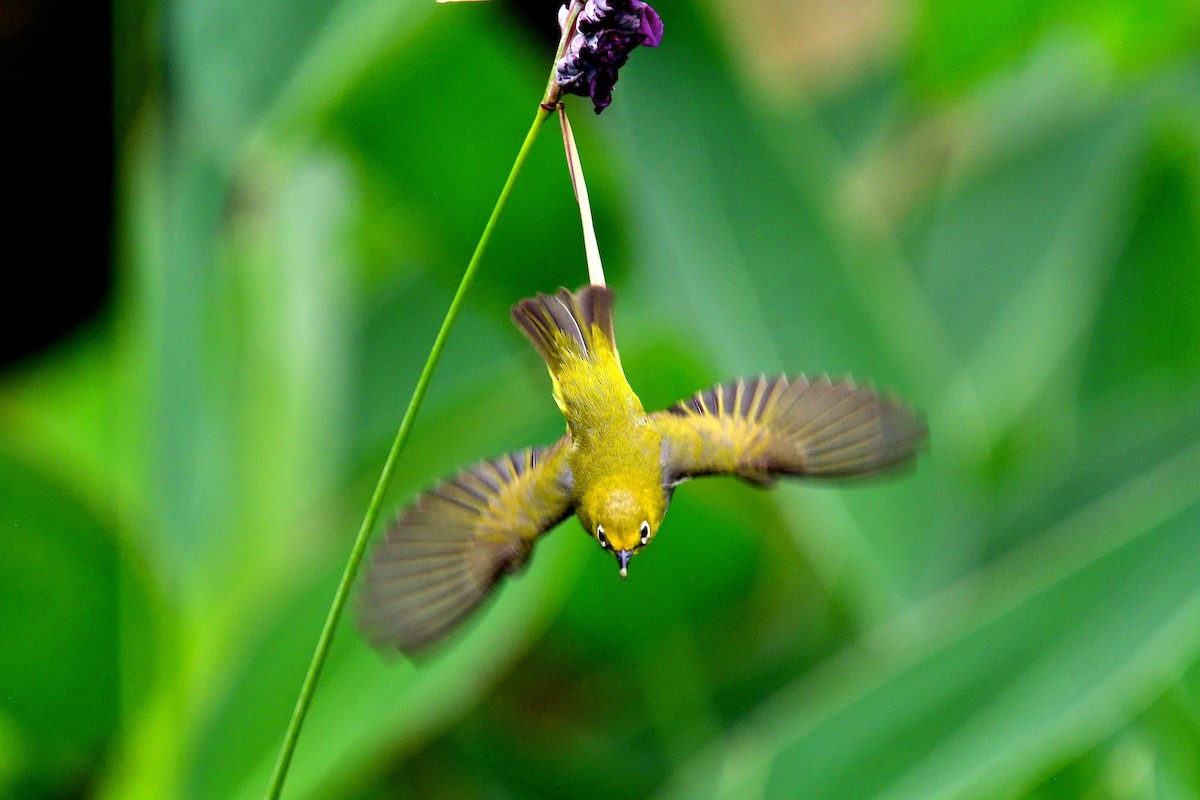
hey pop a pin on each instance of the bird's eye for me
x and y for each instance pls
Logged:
(600, 537)
(645, 532)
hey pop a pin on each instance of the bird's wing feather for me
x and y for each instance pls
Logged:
(762, 428)
(446, 552)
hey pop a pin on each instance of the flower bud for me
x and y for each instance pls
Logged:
(606, 31)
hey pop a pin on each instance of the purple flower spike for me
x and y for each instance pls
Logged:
(606, 31)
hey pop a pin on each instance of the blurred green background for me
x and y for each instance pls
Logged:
(992, 208)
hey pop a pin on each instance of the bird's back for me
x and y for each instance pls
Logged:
(573, 333)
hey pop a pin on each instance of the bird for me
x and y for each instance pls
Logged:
(616, 468)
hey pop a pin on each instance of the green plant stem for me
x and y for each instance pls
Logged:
(368, 524)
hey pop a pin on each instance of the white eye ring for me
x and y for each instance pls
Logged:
(601, 537)
(645, 532)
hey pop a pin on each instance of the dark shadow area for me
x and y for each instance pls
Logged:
(57, 139)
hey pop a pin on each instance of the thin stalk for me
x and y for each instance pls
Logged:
(575, 167)
(553, 93)
(368, 524)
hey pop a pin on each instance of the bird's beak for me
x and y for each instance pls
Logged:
(623, 559)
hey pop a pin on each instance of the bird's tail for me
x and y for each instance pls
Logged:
(566, 324)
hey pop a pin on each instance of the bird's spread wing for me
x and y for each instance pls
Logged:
(763, 428)
(447, 551)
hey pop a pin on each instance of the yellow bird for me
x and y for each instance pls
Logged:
(616, 468)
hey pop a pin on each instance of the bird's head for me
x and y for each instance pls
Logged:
(622, 518)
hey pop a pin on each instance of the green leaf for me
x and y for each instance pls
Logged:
(1148, 329)
(424, 212)
(77, 626)
(1062, 649)
(368, 708)
(958, 42)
